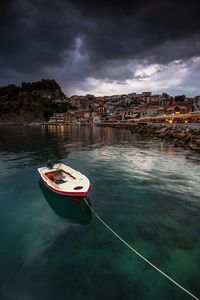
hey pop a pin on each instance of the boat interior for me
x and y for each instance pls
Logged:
(59, 176)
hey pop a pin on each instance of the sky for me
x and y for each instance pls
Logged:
(102, 47)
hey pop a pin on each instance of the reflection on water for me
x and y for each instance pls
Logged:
(27, 145)
(66, 207)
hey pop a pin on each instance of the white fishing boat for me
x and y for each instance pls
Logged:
(64, 180)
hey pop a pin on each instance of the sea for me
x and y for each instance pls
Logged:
(54, 248)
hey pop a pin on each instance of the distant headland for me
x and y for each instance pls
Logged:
(31, 102)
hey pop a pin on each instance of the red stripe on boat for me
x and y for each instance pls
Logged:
(75, 194)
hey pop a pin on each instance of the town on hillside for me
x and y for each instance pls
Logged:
(129, 108)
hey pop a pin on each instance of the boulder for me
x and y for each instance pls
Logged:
(193, 146)
(197, 142)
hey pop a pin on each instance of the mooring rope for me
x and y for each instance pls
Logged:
(140, 255)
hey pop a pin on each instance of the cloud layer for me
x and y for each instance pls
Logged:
(102, 47)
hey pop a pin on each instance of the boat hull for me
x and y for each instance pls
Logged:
(78, 196)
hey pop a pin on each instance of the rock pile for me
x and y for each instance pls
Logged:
(183, 136)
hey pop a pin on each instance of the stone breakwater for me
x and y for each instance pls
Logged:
(179, 135)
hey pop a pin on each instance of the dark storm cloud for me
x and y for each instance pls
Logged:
(139, 31)
(34, 35)
(79, 39)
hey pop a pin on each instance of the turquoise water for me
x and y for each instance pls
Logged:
(53, 248)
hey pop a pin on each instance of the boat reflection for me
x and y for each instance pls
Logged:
(66, 207)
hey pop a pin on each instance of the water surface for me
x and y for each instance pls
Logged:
(53, 248)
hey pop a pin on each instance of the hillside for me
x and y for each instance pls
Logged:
(31, 102)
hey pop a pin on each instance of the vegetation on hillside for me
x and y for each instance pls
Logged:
(32, 101)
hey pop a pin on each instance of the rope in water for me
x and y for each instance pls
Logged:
(141, 256)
